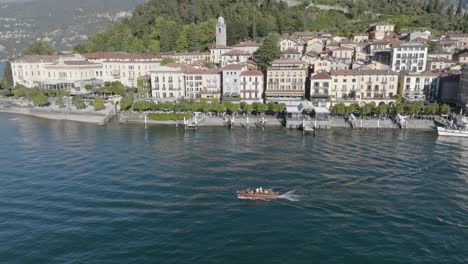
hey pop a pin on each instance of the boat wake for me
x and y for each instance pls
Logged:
(13, 119)
(291, 196)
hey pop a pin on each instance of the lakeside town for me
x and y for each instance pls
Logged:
(376, 73)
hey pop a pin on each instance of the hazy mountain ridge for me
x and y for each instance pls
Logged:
(64, 22)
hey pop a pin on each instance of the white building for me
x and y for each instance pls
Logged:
(124, 67)
(235, 56)
(287, 43)
(409, 56)
(168, 82)
(69, 72)
(202, 83)
(417, 86)
(343, 54)
(232, 80)
(251, 86)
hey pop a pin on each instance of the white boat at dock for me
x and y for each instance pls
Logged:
(448, 132)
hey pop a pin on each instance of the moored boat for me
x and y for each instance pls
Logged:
(448, 132)
(257, 194)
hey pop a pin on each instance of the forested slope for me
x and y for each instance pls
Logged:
(166, 25)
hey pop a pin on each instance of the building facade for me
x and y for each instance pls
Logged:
(364, 86)
(409, 56)
(286, 81)
(420, 86)
(168, 83)
(251, 86)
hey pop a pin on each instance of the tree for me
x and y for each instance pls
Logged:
(206, 108)
(268, 52)
(459, 8)
(40, 100)
(60, 102)
(444, 109)
(39, 48)
(339, 109)
(382, 109)
(366, 110)
(88, 86)
(78, 102)
(262, 108)
(167, 60)
(398, 108)
(433, 46)
(415, 107)
(248, 109)
(7, 82)
(98, 103)
(431, 108)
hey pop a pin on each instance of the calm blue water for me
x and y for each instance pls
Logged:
(79, 193)
(2, 68)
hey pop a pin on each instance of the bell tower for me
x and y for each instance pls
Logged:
(221, 32)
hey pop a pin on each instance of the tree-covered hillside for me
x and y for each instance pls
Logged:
(166, 25)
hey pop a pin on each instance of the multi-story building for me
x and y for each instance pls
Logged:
(288, 43)
(187, 57)
(461, 39)
(202, 83)
(385, 27)
(409, 56)
(124, 67)
(248, 46)
(439, 64)
(70, 72)
(235, 56)
(251, 86)
(291, 54)
(363, 86)
(343, 54)
(420, 86)
(232, 80)
(286, 81)
(320, 84)
(168, 82)
(463, 89)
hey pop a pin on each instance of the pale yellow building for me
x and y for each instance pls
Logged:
(286, 81)
(363, 86)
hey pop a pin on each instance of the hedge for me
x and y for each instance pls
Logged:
(170, 116)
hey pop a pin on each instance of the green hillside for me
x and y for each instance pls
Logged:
(166, 25)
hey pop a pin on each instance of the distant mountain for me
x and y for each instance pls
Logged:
(64, 22)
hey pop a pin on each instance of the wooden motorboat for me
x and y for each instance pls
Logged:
(257, 194)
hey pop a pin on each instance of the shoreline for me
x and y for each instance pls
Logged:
(52, 114)
(272, 122)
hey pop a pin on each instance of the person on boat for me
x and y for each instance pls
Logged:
(261, 190)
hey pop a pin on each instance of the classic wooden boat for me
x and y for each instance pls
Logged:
(257, 194)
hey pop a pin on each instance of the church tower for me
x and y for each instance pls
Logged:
(221, 32)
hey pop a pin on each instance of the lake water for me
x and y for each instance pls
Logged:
(80, 193)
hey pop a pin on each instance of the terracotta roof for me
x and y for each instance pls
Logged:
(290, 51)
(235, 67)
(203, 71)
(184, 54)
(287, 61)
(41, 58)
(343, 49)
(220, 47)
(236, 52)
(363, 72)
(119, 56)
(80, 63)
(247, 44)
(322, 75)
(251, 73)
